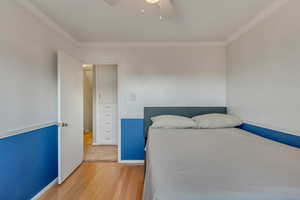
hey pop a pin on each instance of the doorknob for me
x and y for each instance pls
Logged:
(63, 124)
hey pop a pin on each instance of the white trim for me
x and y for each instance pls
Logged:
(119, 113)
(59, 115)
(29, 6)
(94, 103)
(256, 20)
(292, 132)
(133, 117)
(103, 144)
(131, 161)
(38, 195)
(26, 129)
(108, 44)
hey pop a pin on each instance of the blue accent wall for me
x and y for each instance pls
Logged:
(277, 136)
(132, 139)
(28, 163)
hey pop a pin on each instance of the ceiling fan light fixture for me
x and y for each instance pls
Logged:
(152, 1)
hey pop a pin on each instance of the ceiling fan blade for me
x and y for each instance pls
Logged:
(112, 2)
(166, 8)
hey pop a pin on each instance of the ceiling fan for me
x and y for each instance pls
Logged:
(166, 6)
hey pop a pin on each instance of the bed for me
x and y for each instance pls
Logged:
(217, 164)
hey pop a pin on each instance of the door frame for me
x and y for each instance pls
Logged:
(108, 62)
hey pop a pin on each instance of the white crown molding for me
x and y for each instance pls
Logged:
(108, 44)
(236, 35)
(39, 14)
(256, 20)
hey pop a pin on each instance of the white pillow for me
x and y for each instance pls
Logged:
(172, 121)
(211, 121)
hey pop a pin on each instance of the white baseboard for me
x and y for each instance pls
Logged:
(131, 161)
(38, 195)
(102, 144)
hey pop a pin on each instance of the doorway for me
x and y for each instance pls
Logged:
(100, 112)
(88, 86)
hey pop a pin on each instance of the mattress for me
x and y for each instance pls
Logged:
(219, 164)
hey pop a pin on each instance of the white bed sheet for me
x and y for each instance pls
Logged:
(219, 164)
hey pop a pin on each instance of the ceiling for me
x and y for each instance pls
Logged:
(194, 20)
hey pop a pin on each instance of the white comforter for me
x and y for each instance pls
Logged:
(219, 164)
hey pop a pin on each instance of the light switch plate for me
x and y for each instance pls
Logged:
(132, 97)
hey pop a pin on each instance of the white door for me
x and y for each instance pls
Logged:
(70, 115)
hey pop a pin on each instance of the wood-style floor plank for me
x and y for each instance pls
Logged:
(100, 181)
(98, 153)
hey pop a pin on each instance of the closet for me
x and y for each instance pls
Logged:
(106, 104)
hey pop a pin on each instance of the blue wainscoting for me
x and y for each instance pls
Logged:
(28, 163)
(277, 136)
(132, 139)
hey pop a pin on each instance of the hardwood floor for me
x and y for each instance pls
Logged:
(98, 152)
(101, 181)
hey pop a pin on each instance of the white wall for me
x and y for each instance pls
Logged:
(264, 72)
(108, 83)
(27, 68)
(164, 75)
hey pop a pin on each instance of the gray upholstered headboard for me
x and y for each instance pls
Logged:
(183, 111)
